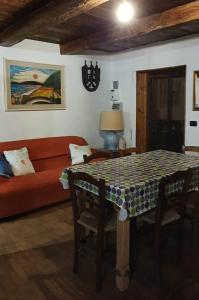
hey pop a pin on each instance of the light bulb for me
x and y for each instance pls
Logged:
(125, 11)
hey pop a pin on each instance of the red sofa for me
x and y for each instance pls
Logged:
(49, 157)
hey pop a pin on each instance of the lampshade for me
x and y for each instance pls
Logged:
(111, 120)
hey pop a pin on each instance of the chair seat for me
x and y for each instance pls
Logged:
(90, 221)
(169, 217)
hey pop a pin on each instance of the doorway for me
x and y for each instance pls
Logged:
(161, 109)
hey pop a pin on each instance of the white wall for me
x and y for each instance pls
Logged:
(82, 114)
(83, 108)
(124, 67)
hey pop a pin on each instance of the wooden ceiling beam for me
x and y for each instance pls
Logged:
(173, 17)
(51, 13)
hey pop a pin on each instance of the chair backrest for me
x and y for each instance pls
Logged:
(81, 201)
(127, 151)
(97, 155)
(191, 150)
(167, 200)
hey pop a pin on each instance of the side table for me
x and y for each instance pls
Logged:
(114, 153)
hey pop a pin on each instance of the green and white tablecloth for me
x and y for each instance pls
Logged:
(132, 181)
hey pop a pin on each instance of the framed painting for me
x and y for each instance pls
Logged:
(196, 90)
(33, 86)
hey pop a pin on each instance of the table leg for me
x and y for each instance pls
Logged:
(122, 264)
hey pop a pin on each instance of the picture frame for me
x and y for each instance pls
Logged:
(196, 90)
(33, 86)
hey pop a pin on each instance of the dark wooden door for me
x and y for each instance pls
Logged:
(166, 109)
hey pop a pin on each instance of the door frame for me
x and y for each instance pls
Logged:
(142, 107)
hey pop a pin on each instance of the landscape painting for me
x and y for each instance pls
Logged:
(32, 86)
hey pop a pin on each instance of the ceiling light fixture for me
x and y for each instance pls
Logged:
(125, 11)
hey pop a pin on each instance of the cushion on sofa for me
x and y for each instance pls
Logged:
(32, 183)
(77, 152)
(5, 167)
(34, 191)
(19, 161)
(52, 163)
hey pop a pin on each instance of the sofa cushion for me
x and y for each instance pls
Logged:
(37, 184)
(44, 147)
(25, 193)
(19, 161)
(5, 168)
(52, 163)
(77, 152)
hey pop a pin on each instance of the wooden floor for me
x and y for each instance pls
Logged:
(46, 273)
(44, 227)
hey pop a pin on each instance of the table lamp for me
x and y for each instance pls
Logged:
(111, 122)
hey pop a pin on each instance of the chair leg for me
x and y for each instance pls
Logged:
(98, 277)
(195, 220)
(180, 239)
(76, 249)
(195, 229)
(99, 261)
(157, 258)
(158, 268)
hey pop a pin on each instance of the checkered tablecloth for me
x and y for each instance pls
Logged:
(132, 182)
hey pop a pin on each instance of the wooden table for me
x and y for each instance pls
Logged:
(132, 185)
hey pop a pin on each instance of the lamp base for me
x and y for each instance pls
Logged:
(111, 140)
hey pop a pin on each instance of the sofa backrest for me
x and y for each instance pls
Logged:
(46, 152)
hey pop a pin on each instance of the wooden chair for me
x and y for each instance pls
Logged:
(127, 151)
(90, 214)
(97, 155)
(192, 208)
(170, 208)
